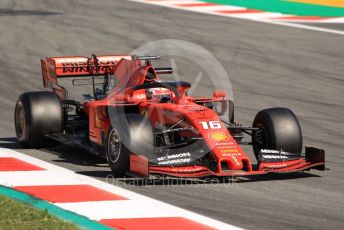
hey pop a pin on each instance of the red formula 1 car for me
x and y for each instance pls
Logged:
(144, 126)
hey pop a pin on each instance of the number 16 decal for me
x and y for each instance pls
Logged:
(211, 124)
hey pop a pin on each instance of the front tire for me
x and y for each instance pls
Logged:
(128, 134)
(279, 130)
(118, 156)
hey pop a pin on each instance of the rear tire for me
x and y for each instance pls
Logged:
(36, 115)
(280, 130)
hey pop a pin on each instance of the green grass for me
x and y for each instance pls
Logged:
(18, 215)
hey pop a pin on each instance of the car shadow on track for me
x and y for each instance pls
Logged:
(10, 143)
(77, 156)
(172, 181)
(165, 181)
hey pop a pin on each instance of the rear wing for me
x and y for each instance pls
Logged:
(58, 67)
(78, 66)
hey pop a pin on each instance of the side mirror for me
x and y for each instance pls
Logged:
(220, 104)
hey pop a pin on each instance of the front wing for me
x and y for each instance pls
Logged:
(312, 159)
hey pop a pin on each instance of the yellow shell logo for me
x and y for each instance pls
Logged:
(219, 136)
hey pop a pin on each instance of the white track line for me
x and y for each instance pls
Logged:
(137, 205)
(118, 209)
(300, 26)
(255, 16)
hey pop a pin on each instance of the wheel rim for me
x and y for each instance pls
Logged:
(114, 146)
(20, 120)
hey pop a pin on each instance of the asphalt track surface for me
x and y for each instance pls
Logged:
(269, 65)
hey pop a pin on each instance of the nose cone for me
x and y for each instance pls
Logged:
(224, 149)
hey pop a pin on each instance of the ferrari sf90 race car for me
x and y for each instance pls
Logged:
(143, 125)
